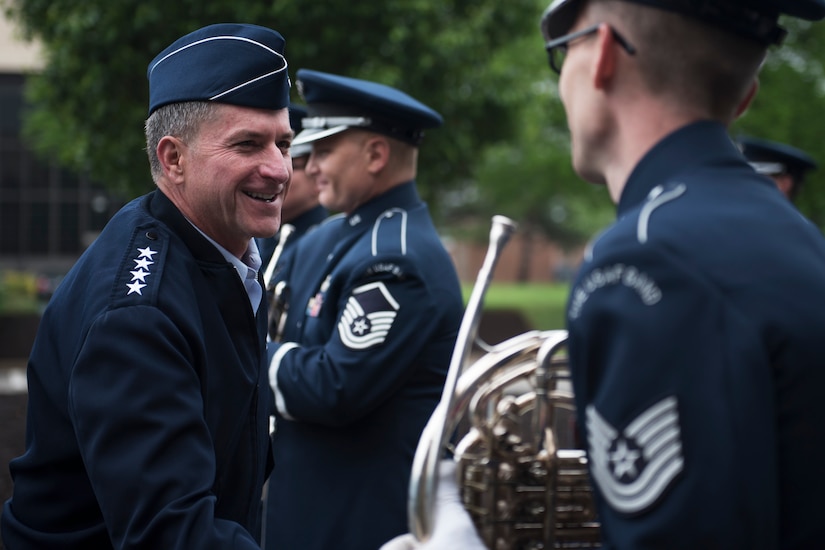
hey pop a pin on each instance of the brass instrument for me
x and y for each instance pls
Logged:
(522, 477)
(278, 292)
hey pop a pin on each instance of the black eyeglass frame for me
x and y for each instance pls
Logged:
(563, 42)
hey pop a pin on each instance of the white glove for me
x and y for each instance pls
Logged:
(453, 527)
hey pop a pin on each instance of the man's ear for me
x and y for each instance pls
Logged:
(377, 149)
(606, 58)
(171, 156)
(785, 184)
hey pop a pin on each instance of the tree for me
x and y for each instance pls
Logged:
(786, 109)
(530, 178)
(89, 103)
(481, 63)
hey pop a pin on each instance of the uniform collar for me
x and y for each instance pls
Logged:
(165, 211)
(401, 196)
(307, 219)
(695, 145)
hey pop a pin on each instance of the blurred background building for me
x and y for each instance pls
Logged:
(48, 216)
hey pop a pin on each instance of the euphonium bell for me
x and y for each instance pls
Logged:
(522, 476)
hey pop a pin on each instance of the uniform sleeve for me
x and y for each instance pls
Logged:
(674, 401)
(383, 321)
(135, 400)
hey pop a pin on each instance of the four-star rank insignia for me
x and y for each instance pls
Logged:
(633, 467)
(142, 269)
(368, 316)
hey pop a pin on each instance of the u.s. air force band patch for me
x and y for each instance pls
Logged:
(617, 274)
(368, 316)
(633, 467)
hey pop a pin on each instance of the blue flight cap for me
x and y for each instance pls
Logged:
(336, 103)
(297, 113)
(772, 158)
(754, 19)
(229, 63)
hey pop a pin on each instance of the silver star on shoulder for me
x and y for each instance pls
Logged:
(139, 275)
(146, 253)
(134, 288)
(142, 263)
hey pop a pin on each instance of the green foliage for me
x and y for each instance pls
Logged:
(18, 292)
(504, 147)
(543, 305)
(530, 179)
(90, 101)
(788, 105)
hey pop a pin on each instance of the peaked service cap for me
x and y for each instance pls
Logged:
(233, 63)
(336, 103)
(771, 157)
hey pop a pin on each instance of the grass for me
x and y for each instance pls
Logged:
(542, 304)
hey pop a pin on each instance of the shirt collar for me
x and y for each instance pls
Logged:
(248, 266)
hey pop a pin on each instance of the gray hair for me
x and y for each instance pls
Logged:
(181, 120)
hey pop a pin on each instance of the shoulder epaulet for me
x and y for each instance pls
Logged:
(141, 267)
(389, 233)
(658, 196)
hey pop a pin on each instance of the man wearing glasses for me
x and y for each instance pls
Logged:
(695, 328)
(695, 338)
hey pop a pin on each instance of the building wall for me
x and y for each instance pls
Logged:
(48, 215)
(16, 55)
(522, 259)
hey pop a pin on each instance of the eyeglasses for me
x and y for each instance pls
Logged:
(557, 48)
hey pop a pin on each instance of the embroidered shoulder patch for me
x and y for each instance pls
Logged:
(368, 316)
(634, 466)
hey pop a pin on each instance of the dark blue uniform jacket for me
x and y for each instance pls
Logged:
(376, 306)
(697, 341)
(148, 399)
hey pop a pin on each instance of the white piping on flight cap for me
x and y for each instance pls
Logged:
(248, 82)
(240, 38)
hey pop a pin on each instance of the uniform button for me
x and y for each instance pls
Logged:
(151, 235)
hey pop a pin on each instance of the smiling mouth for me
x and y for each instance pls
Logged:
(260, 196)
